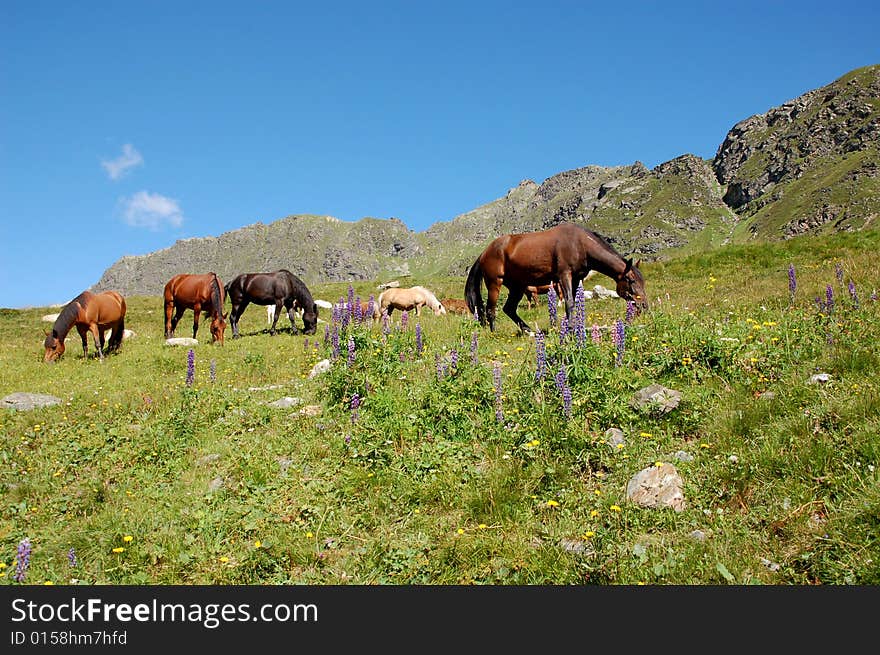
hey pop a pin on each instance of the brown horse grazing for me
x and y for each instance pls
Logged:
(408, 298)
(455, 305)
(198, 293)
(565, 253)
(88, 312)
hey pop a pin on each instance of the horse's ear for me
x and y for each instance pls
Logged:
(629, 265)
(638, 263)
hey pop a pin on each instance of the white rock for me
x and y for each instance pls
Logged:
(181, 341)
(321, 367)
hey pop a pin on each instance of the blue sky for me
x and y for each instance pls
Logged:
(125, 126)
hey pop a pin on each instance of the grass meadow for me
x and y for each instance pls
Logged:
(436, 455)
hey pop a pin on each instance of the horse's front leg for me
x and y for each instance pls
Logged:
(565, 282)
(96, 335)
(197, 310)
(510, 306)
(291, 310)
(83, 333)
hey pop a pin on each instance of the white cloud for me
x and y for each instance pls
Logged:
(151, 210)
(118, 167)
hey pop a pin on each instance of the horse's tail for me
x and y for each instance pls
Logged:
(473, 294)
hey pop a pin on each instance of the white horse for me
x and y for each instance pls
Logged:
(404, 298)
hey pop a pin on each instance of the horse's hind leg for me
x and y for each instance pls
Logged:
(278, 305)
(172, 321)
(510, 306)
(565, 281)
(235, 314)
(492, 292)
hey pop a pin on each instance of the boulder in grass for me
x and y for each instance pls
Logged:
(49, 318)
(657, 487)
(181, 341)
(21, 400)
(656, 397)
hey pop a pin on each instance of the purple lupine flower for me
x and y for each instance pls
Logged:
(474, 357)
(540, 355)
(561, 380)
(355, 404)
(190, 367)
(829, 299)
(404, 319)
(371, 307)
(619, 341)
(212, 370)
(71, 558)
(337, 310)
(334, 340)
(838, 271)
(438, 366)
(350, 303)
(852, 293)
(386, 323)
(792, 281)
(306, 343)
(551, 305)
(23, 559)
(419, 344)
(819, 304)
(596, 334)
(453, 359)
(563, 328)
(358, 315)
(350, 351)
(580, 331)
(476, 315)
(630, 311)
(496, 376)
(326, 335)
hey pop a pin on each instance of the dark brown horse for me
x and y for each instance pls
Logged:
(198, 293)
(88, 312)
(565, 254)
(281, 288)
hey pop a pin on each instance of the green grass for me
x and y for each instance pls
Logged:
(425, 485)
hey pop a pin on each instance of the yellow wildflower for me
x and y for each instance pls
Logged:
(118, 549)
(615, 508)
(127, 538)
(552, 503)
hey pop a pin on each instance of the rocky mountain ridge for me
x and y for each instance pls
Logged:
(808, 166)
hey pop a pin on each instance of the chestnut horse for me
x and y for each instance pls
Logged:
(198, 293)
(565, 253)
(88, 312)
(532, 293)
(277, 289)
(407, 298)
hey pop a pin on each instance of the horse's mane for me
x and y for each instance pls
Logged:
(603, 241)
(67, 316)
(216, 295)
(430, 294)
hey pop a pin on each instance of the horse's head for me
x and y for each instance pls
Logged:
(54, 347)
(439, 309)
(310, 319)
(218, 327)
(631, 286)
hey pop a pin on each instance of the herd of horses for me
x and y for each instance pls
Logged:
(527, 264)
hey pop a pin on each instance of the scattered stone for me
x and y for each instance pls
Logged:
(216, 484)
(683, 456)
(658, 397)
(698, 535)
(766, 395)
(601, 292)
(128, 334)
(614, 437)
(323, 304)
(819, 378)
(577, 546)
(771, 566)
(321, 367)
(268, 387)
(284, 403)
(21, 400)
(657, 487)
(284, 463)
(310, 410)
(181, 341)
(733, 459)
(50, 318)
(207, 459)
